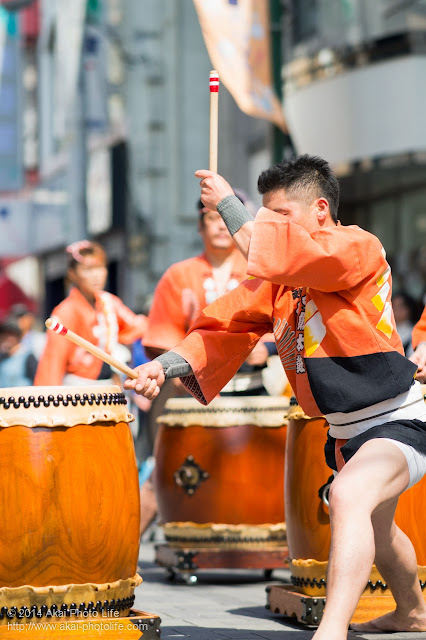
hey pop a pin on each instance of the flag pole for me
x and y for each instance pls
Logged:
(214, 115)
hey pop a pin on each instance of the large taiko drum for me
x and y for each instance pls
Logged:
(219, 473)
(69, 496)
(308, 522)
(306, 500)
(308, 526)
(409, 517)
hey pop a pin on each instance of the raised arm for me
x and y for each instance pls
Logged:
(217, 195)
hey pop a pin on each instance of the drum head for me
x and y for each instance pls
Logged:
(262, 411)
(62, 406)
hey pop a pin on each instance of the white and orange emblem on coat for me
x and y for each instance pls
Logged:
(381, 301)
(315, 330)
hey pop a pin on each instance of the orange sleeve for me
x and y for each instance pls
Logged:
(419, 331)
(57, 353)
(130, 325)
(166, 320)
(331, 259)
(223, 336)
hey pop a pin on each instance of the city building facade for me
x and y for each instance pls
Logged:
(108, 120)
(354, 93)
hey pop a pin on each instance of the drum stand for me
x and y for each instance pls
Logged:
(283, 599)
(184, 562)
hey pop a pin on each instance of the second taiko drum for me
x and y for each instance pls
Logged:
(219, 474)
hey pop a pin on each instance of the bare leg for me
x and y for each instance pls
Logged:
(396, 561)
(373, 479)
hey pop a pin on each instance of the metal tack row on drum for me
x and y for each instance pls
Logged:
(70, 495)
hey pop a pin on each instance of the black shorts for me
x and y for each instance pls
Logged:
(411, 432)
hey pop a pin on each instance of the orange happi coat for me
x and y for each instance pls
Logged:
(109, 322)
(182, 292)
(327, 297)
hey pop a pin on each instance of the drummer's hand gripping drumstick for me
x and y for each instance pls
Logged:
(59, 328)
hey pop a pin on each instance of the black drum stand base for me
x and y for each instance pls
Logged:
(284, 600)
(185, 562)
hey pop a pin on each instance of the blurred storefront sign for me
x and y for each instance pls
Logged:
(99, 190)
(11, 293)
(16, 5)
(50, 211)
(15, 228)
(30, 16)
(11, 173)
(94, 79)
(94, 10)
(69, 35)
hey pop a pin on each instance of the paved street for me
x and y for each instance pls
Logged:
(222, 605)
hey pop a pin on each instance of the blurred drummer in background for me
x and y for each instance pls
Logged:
(188, 286)
(182, 292)
(96, 315)
(418, 338)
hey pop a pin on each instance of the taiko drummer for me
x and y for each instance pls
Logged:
(97, 315)
(325, 289)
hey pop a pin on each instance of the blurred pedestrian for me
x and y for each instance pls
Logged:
(17, 363)
(94, 314)
(418, 339)
(32, 338)
(406, 314)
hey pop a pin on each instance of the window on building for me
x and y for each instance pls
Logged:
(305, 19)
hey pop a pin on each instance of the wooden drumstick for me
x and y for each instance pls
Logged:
(59, 328)
(214, 114)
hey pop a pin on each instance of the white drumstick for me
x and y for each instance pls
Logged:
(59, 328)
(214, 115)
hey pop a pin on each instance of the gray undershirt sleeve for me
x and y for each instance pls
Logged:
(234, 213)
(174, 365)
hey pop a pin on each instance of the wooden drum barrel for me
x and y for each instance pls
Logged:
(69, 496)
(308, 526)
(411, 505)
(219, 473)
(306, 480)
(308, 523)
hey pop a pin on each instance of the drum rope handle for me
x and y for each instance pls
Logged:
(323, 491)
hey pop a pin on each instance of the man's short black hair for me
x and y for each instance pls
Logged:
(305, 178)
